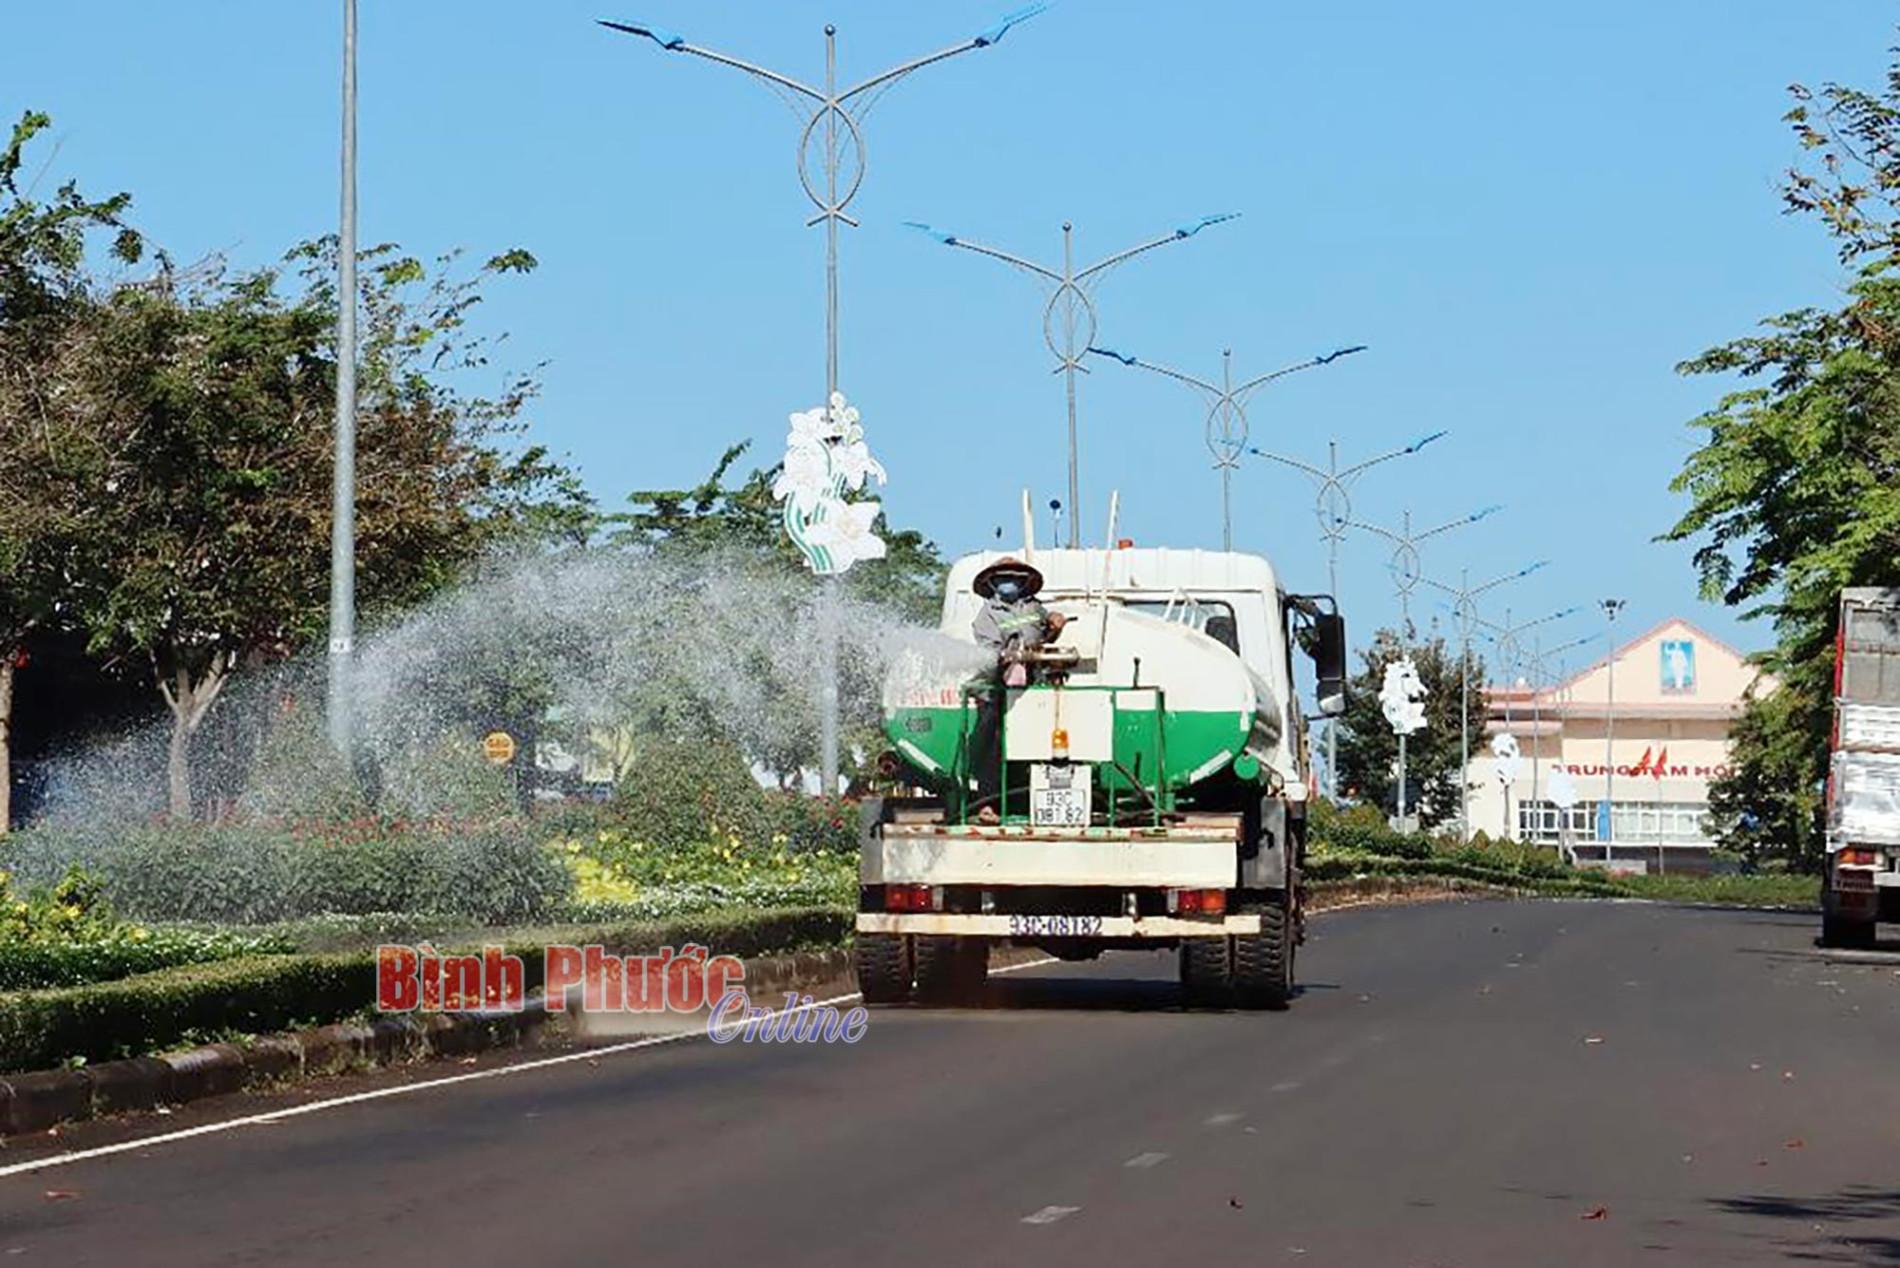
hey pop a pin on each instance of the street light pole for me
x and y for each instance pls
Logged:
(1071, 306)
(1509, 638)
(1332, 505)
(1404, 567)
(1464, 605)
(1227, 417)
(841, 115)
(340, 705)
(1611, 607)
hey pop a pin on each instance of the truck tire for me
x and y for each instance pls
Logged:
(1207, 979)
(1839, 931)
(883, 964)
(951, 970)
(1263, 962)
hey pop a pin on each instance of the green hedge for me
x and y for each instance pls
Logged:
(152, 1012)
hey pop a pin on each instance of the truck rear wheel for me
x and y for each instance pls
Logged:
(883, 964)
(1263, 962)
(951, 970)
(1840, 931)
(1207, 979)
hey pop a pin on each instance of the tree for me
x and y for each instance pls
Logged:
(712, 516)
(1795, 490)
(723, 540)
(208, 402)
(1369, 751)
(43, 286)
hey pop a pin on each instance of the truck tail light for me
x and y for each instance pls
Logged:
(913, 898)
(1855, 856)
(1059, 743)
(1205, 902)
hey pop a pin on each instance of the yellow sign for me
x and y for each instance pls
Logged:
(498, 747)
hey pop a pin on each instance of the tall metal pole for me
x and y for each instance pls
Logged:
(1333, 507)
(1464, 604)
(1464, 708)
(1071, 363)
(1510, 643)
(831, 222)
(841, 114)
(836, 118)
(340, 711)
(1608, 826)
(1072, 291)
(1227, 428)
(1404, 567)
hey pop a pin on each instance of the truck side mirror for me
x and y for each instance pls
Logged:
(1329, 662)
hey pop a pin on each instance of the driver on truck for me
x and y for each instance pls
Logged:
(1012, 624)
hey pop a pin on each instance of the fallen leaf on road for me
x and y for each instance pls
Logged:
(1596, 1213)
(1593, 1038)
(1754, 1065)
(1787, 1074)
(1796, 1144)
(1234, 1202)
(61, 1195)
(1761, 1162)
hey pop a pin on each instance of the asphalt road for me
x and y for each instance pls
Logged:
(1459, 1084)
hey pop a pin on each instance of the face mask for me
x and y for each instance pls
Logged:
(1008, 589)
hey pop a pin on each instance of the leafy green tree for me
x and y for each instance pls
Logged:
(1795, 490)
(744, 517)
(208, 401)
(43, 286)
(1369, 751)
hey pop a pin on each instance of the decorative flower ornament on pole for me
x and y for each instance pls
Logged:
(826, 458)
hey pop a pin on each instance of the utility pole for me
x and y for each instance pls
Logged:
(341, 704)
(1607, 822)
(1071, 311)
(1332, 506)
(1227, 416)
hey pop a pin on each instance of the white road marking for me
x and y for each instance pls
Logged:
(540, 1063)
(1141, 1162)
(1221, 1120)
(1050, 1214)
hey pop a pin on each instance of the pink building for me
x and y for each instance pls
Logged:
(1678, 690)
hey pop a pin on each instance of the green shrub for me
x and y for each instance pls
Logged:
(1363, 828)
(253, 873)
(679, 793)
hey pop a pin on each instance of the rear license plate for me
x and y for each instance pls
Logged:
(1055, 926)
(1059, 796)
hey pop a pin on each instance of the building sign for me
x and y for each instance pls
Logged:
(1678, 666)
(1655, 768)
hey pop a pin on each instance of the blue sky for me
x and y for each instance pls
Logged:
(1529, 212)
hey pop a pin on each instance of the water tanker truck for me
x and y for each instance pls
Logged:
(1145, 787)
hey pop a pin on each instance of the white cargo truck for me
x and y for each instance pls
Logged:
(1146, 787)
(1861, 885)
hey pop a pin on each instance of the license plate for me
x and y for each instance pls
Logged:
(1055, 926)
(1059, 796)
